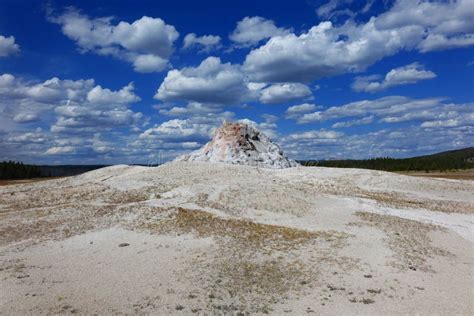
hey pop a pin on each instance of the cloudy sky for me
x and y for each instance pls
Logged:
(85, 82)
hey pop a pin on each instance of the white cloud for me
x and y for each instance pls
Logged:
(68, 106)
(36, 136)
(403, 141)
(332, 8)
(323, 52)
(8, 46)
(296, 111)
(327, 10)
(362, 121)
(149, 63)
(192, 108)
(147, 42)
(25, 118)
(321, 134)
(60, 150)
(206, 42)
(447, 24)
(327, 50)
(408, 74)
(99, 95)
(451, 120)
(196, 128)
(251, 30)
(392, 110)
(388, 108)
(211, 82)
(285, 92)
(178, 130)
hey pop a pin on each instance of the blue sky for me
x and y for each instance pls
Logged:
(87, 82)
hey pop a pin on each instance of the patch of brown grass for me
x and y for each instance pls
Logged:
(254, 265)
(400, 201)
(467, 174)
(408, 239)
(205, 224)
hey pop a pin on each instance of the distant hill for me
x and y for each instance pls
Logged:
(448, 160)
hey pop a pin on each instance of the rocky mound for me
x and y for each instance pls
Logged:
(241, 143)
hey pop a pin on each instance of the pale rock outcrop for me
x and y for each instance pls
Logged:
(243, 144)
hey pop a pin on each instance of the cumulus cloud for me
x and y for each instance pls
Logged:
(447, 24)
(327, 50)
(178, 129)
(211, 82)
(285, 92)
(408, 74)
(205, 43)
(251, 30)
(147, 43)
(74, 111)
(323, 52)
(75, 105)
(8, 46)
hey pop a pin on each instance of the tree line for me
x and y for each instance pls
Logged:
(10, 170)
(18, 170)
(450, 160)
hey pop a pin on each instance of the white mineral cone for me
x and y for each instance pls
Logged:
(240, 143)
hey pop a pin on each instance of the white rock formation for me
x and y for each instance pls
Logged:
(241, 143)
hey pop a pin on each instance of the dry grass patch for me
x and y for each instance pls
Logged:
(399, 200)
(408, 239)
(259, 235)
(254, 265)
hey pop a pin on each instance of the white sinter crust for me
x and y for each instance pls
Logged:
(243, 144)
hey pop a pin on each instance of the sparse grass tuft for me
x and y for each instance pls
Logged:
(205, 224)
(408, 239)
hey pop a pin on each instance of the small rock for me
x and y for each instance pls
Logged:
(179, 307)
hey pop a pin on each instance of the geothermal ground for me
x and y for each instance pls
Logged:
(190, 237)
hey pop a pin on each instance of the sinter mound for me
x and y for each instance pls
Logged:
(240, 143)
